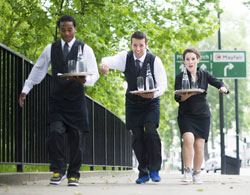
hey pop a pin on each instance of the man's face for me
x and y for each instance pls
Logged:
(138, 46)
(67, 31)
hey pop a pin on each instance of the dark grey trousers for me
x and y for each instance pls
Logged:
(147, 147)
(57, 149)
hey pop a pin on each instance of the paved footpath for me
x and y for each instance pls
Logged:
(124, 184)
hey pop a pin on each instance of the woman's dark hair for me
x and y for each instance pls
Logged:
(191, 50)
(66, 18)
(139, 35)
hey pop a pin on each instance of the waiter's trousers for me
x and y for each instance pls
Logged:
(147, 147)
(57, 149)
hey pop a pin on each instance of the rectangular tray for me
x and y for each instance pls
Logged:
(188, 91)
(144, 91)
(73, 74)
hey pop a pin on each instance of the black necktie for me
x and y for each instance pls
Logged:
(65, 50)
(138, 67)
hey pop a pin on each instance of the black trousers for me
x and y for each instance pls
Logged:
(147, 147)
(57, 149)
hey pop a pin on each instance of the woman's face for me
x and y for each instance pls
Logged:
(191, 61)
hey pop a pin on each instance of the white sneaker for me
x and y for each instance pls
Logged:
(197, 178)
(187, 175)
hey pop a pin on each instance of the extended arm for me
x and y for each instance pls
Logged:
(37, 74)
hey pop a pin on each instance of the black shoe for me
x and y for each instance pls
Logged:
(57, 178)
(72, 181)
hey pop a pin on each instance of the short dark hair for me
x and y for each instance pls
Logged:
(191, 50)
(139, 35)
(66, 18)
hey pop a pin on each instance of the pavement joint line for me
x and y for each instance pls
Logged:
(25, 177)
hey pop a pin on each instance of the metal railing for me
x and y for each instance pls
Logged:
(24, 131)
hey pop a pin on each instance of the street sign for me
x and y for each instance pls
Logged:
(222, 64)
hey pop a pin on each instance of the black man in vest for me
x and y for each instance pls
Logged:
(142, 109)
(68, 114)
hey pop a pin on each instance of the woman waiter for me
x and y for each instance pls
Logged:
(194, 115)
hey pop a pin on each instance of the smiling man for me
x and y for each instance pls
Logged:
(68, 114)
(143, 109)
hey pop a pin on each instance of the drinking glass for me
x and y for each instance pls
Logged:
(140, 83)
(71, 66)
(81, 66)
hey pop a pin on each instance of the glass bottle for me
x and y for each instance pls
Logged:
(185, 80)
(149, 79)
(80, 65)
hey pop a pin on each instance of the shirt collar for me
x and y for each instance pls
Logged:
(141, 58)
(69, 43)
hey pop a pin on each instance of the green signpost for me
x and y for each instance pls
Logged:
(222, 64)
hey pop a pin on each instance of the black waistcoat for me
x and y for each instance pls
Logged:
(67, 100)
(140, 110)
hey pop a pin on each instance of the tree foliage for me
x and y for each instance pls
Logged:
(106, 25)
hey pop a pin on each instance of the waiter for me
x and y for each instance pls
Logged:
(142, 110)
(68, 112)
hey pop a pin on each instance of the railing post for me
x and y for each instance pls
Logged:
(121, 142)
(105, 139)
(19, 124)
(93, 138)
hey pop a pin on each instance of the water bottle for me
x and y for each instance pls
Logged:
(185, 80)
(149, 79)
(80, 66)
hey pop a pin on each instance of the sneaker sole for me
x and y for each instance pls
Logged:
(142, 182)
(186, 181)
(156, 180)
(57, 182)
(200, 182)
(73, 184)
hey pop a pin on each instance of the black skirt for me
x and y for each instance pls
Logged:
(198, 125)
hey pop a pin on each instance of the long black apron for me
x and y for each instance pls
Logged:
(67, 101)
(139, 112)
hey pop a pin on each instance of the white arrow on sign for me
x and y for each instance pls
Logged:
(203, 67)
(181, 67)
(229, 66)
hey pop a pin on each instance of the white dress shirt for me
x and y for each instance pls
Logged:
(118, 62)
(41, 67)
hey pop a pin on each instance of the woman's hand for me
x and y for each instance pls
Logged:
(223, 90)
(185, 96)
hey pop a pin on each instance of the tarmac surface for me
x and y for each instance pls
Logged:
(123, 183)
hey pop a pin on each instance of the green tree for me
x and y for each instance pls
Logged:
(106, 25)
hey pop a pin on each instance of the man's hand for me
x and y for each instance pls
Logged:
(146, 95)
(104, 68)
(79, 79)
(21, 99)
